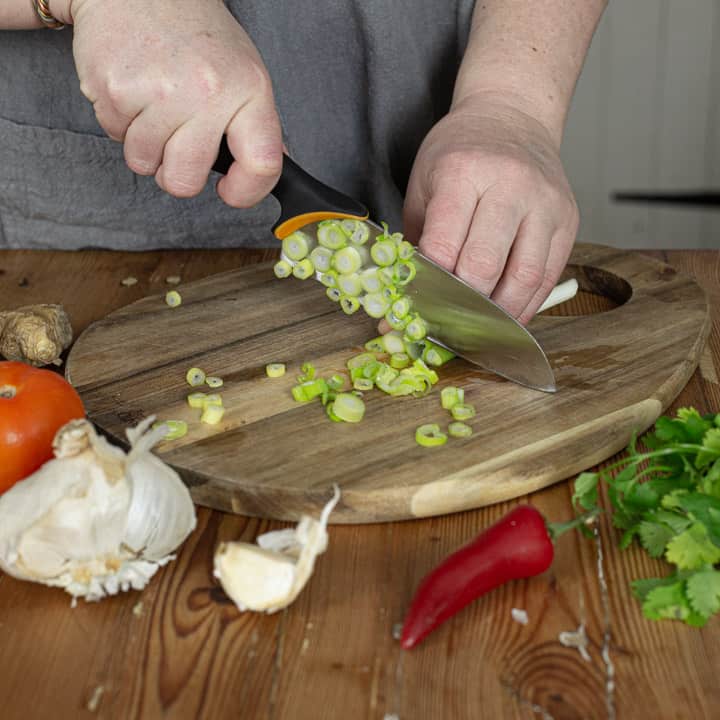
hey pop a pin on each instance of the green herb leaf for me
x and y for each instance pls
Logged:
(711, 448)
(586, 493)
(692, 548)
(703, 591)
(654, 537)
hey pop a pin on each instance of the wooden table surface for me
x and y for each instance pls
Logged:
(181, 650)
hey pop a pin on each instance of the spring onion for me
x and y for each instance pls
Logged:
(213, 382)
(375, 305)
(308, 372)
(195, 376)
(348, 407)
(303, 270)
(173, 298)
(329, 278)
(330, 410)
(376, 345)
(399, 360)
(451, 396)
(383, 253)
(275, 370)
(335, 382)
(213, 399)
(347, 260)
(330, 235)
(435, 354)
(359, 361)
(430, 435)
(371, 370)
(309, 390)
(212, 414)
(176, 428)
(404, 272)
(462, 411)
(387, 276)
(298, 245)
(405, 250)
(282, 269)
(370, 280)
(393, 343)
(349, 304)
(350, 284)
(358, 232)
(401, 307)
(196, 400)
(459, 430)
(364, 384)
(334, 294)
(416, 329)
(321, 257)
(395, 322)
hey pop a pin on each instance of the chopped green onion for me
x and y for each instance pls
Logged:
(329, 278)
(462, 411)
(370, 280)
(414, 349)
(303, 270)
(416, 329)
(212, 414)
(330, 410)
(309, 390)
(347, 260)
(335, 382)
(386, 275)
(401, 307)
(175, 428)
(385, 378)
(451, 396)
(363, 384)
(297, 245)
(350, 284)
(173, 298)
(405, 250)
(321, 257)
(275, 370)
(430, 435)
(334, 294)
(360, 361)
(282, 269)
(196, 399)
(390, 293)
(393, 342)
(395, 322)
(348, 407)
(420, 368)
(213, 399)
(195, 376)
(213, 382)
(399, 360)
(356, 230)
(435, 354)
(459, 430)
(349, 304)
(376, 345)
(371, 370)
(308, 372)
(404, 272)
(330, 235)
(375, 305)
(383, 253)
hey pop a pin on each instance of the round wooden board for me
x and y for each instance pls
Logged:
(270, 457)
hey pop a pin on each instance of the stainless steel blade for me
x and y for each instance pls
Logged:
(471, 325)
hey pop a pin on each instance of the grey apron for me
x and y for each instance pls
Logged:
(358, 84)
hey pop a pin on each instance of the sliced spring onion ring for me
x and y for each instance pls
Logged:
(462, 411)
(370, 280)
(321, 258)
(330, 234)
(334, 294)
(349, 304)
(298, 245)
(173, 298)
(395, 322)
(390, 293)
(347, 260)
(275, 370)
(196, 400)
(303, 270)
(435, 354)
(213, 382)
(282, 269)
(404, 272)
(308, 372)
(350, 284)
(176, 428)
(430, 435)
(335, 382)
(213, 399)
(401, 307)
(383, 253)
(195, 376)
(451, 396)
(356, 230)
(393, 342)
(349, 407)
(405, 250)
(387, 275)
(309, 390)
(329, 278)
(416, 329)
(212, 414)
(376, 306)
(399, 360)
(330, 410)
(376, 345)
(360, 361)
(459, 430)
(363, 384)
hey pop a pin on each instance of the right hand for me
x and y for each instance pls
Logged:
(167, 79)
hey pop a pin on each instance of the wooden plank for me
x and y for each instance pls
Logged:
(274, 458)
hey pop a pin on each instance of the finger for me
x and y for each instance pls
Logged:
(524, 271)
(414, 207)
(114, 123)
(560, 249)
(492, 232)
(384, 327)
(448, 215)
(255, 141)
(146, 138)
(187, 158)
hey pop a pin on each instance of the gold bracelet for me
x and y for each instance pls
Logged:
(49, 20)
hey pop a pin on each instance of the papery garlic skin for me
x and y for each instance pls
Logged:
(95, 521)
(267, 577)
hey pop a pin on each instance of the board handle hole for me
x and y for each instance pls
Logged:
(599, 291)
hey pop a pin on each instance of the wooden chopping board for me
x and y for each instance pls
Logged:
(271, 457)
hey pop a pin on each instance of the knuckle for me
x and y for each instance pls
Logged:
(440, 251)
(181, 185)
(527, 276)
(484, 262)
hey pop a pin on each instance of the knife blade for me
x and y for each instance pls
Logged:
(459, 317)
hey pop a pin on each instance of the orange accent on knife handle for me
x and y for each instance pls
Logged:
(303, 199)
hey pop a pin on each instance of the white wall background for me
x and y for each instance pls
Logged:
(646, 116)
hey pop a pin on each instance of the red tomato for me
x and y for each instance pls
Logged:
(34, 405)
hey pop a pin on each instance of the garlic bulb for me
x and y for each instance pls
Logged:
(270, 575)
(94, 520)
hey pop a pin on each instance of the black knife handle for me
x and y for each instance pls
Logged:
(299, 194)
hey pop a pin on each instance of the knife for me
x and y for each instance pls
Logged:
(459, 317)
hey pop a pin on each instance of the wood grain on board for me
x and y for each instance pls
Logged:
(272, 457)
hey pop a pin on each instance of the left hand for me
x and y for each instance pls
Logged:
(488, 200)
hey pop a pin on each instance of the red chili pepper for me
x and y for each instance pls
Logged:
(519, 545)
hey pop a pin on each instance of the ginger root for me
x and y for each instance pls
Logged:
(35, 334)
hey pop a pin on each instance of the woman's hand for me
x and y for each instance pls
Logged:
(167, 78)
(488, 200)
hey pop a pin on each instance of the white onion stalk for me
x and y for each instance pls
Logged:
(95, 521)
(267, 577)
